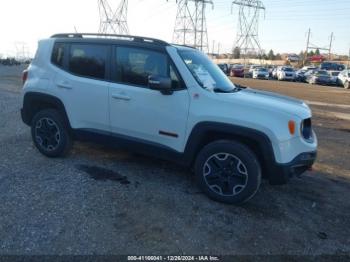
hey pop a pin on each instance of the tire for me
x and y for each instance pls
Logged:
(347, 85)
(50, 133)
(233, 163)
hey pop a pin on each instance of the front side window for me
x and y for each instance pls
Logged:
(88, 60)
(207, 74)
(135, 65)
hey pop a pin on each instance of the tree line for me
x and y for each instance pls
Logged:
(236, 54)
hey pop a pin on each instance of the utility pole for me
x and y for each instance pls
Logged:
(190, 26)
(212, 49)
(349, 59)
(330, 46)
(307, 46)
(219, 48)
(247, 39)
(312, 46)
(113, 20)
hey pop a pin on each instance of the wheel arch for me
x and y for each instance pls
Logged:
(34, 102)
(206, 132)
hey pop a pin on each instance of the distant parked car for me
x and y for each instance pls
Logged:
(252, 68)
(224, 68)
(237, 70)
(344, 78)
(261, 73)
(300, 75)
(293, 58)
(319, 77)
(270, 68)
(334, 77)
(307, 68)
(332, 66)
(275, 71)
(286, 73)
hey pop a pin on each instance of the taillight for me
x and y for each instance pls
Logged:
(24, 76)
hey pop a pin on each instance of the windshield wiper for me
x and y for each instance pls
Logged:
(233, 90)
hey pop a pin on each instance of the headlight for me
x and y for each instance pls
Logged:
(306, 129)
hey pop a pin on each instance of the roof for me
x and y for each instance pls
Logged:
(110, 38)
(114, 38)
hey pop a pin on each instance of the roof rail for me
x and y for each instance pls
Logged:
(121, 37)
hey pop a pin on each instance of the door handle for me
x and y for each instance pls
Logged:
(64, 85)
(121, 97)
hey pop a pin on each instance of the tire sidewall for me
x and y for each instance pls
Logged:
(346, 85)
(65, 140)
(247, 157)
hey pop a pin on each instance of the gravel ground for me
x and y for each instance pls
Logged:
(104, 201)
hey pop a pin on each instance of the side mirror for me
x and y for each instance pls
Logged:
(162, 84)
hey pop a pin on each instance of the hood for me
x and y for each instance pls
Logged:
(273, 102)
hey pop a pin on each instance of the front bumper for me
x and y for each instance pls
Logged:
(322, 81)
(280, 173)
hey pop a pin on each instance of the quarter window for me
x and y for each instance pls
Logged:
(58, 54)
(88, 60)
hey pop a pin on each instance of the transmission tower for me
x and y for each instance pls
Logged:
(113, 21)
(190, 26)
(22, 51)
(247, 39)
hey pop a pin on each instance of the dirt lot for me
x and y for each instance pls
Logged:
(103, 201)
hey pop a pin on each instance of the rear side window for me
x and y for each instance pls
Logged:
(135, 65)
(58, 54)
(88, 60)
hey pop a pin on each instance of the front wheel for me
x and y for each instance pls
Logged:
(228, 172)
(50, 133)
(347, 85)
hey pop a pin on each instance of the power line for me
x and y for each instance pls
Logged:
(312, 46)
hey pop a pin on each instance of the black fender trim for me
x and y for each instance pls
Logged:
(35, 101)
(206, 132)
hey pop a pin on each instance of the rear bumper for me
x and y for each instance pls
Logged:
(280, 173)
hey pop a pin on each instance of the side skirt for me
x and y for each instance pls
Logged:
(130, 144)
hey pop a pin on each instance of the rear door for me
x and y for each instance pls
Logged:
(83, 83)
(138, 112)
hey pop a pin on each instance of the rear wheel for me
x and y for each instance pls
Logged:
(50, 133)
(347, 85)
(228, 172)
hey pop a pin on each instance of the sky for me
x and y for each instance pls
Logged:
(283, 28)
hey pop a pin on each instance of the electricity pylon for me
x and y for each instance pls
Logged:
(113, 21)
(247, 39)
(190, 26)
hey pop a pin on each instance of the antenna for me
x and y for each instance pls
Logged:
(247, 39)
(113, 21)
(191, 26)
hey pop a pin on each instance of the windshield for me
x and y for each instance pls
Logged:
(322, 73)
(207, 74)
(262, 69)
(237, 66)
(288, 69)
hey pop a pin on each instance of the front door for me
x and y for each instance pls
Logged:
(141, 113)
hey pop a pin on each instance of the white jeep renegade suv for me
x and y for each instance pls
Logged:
(167, 101)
